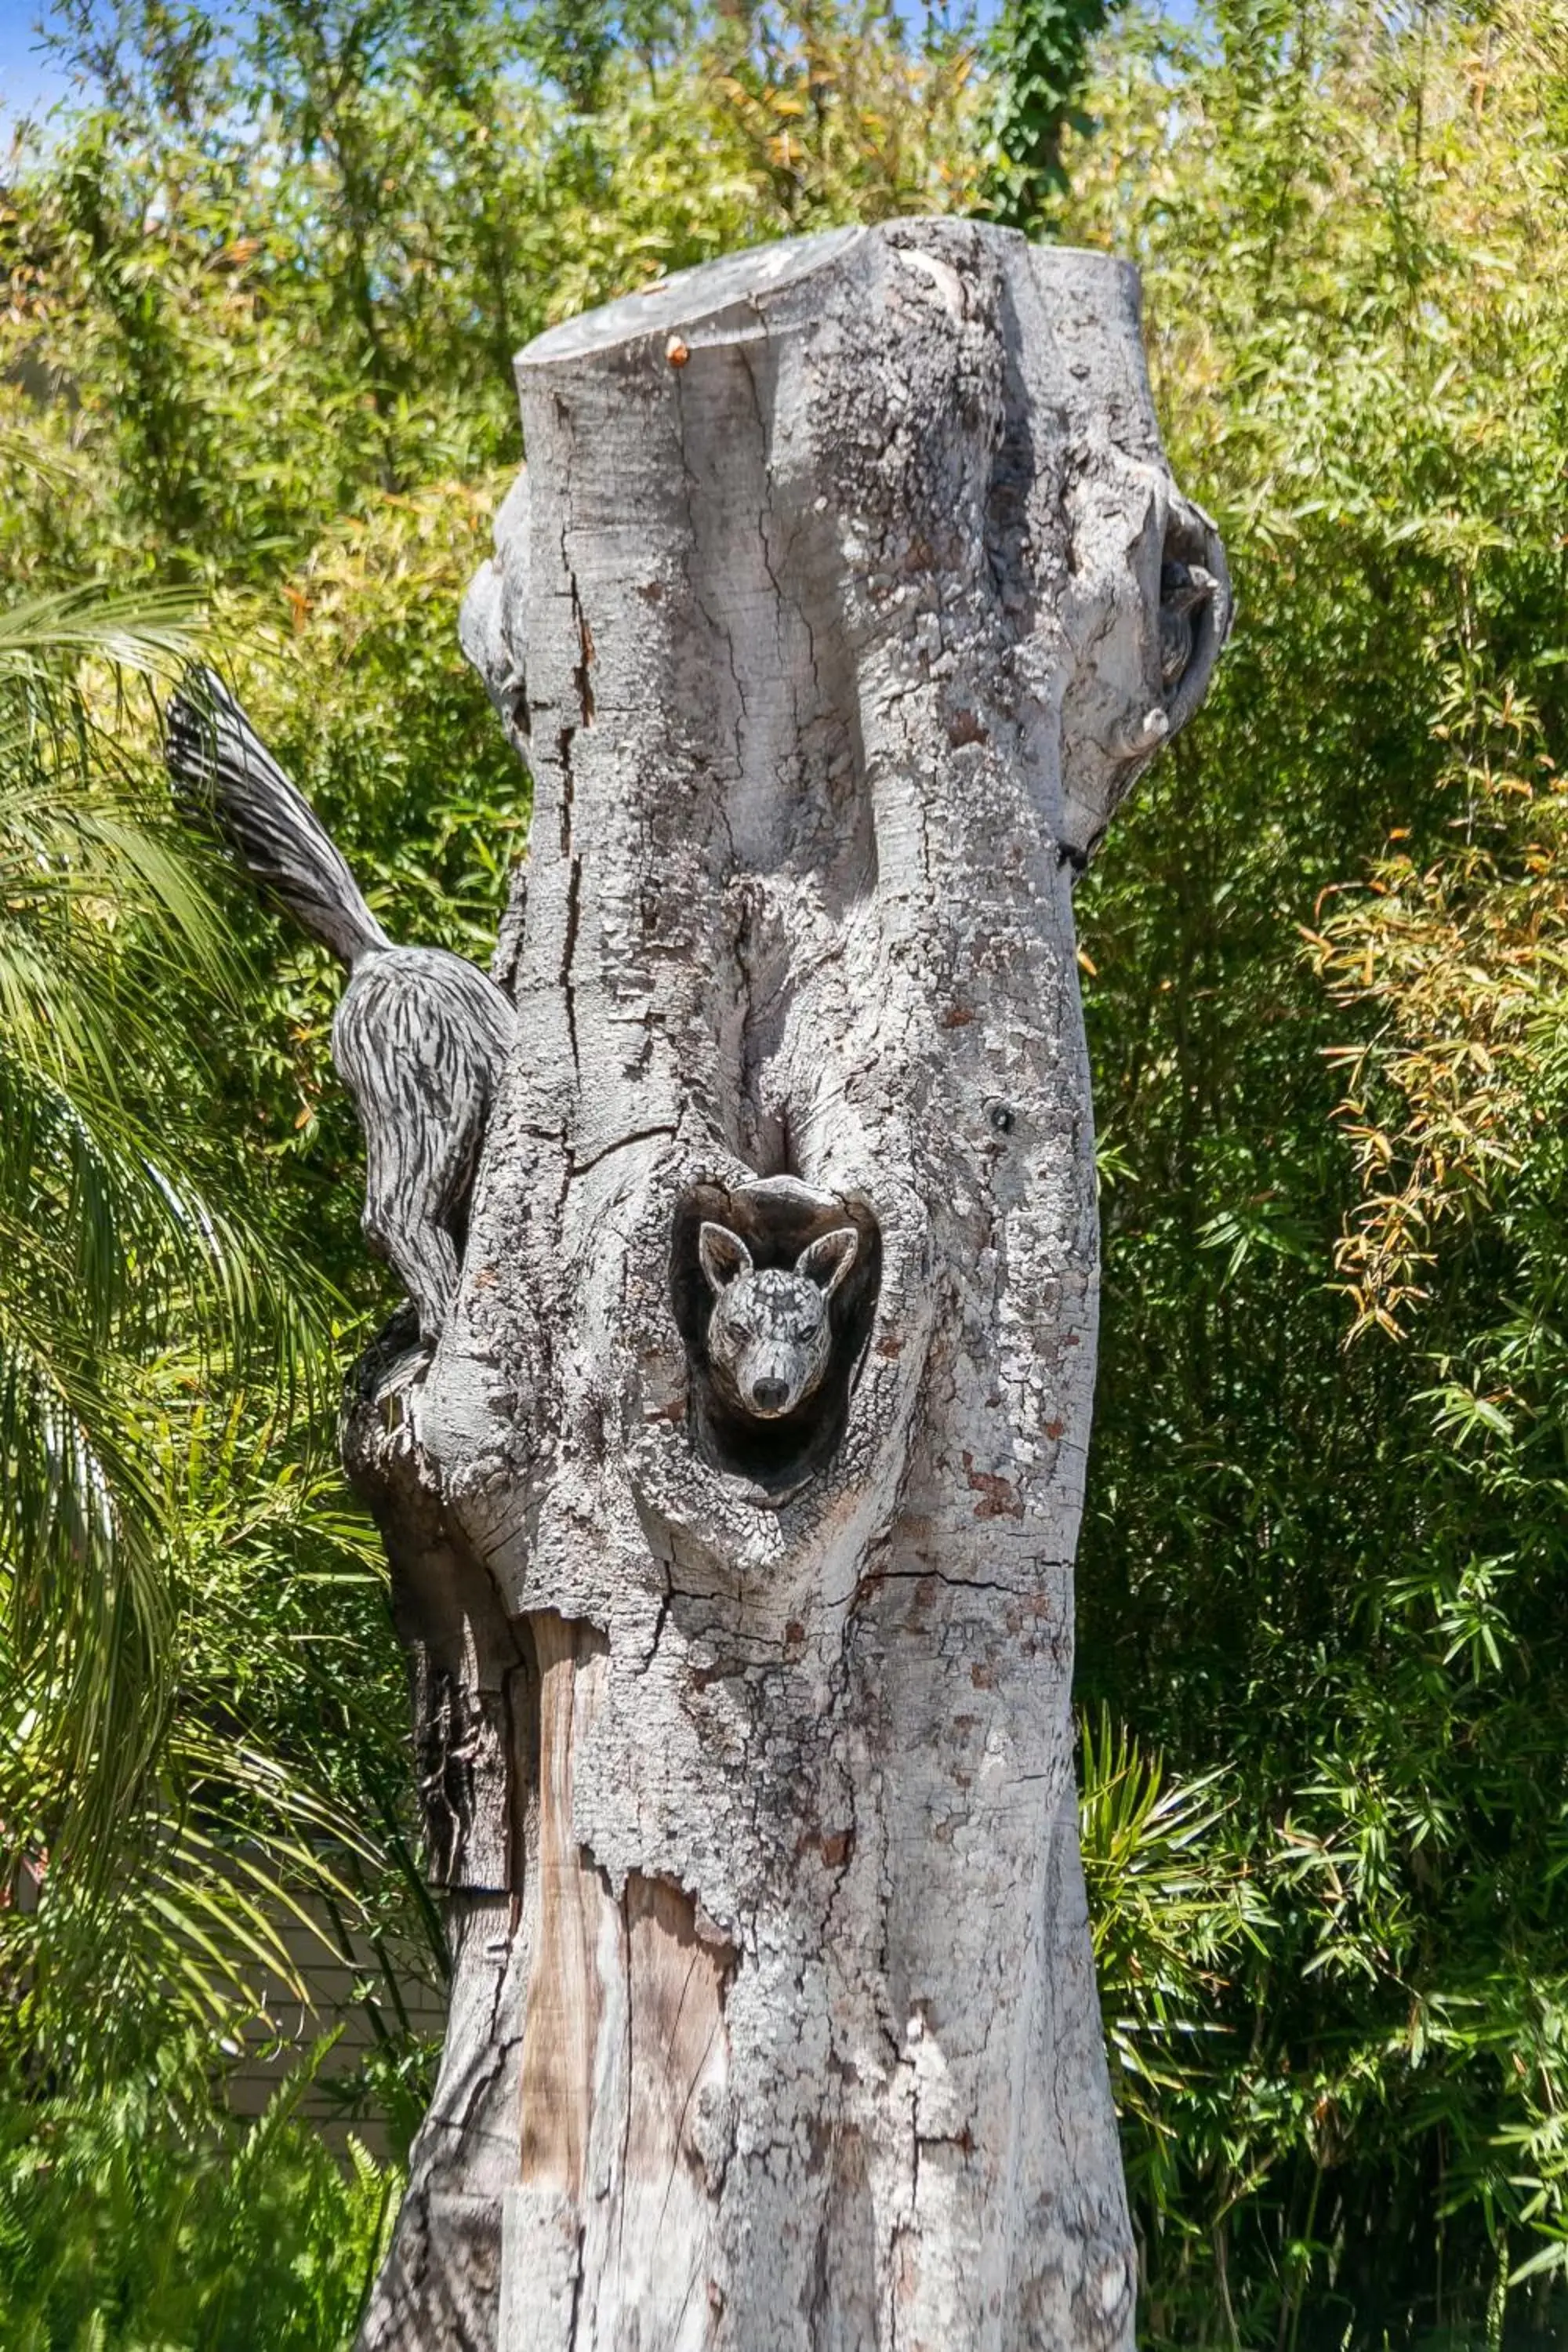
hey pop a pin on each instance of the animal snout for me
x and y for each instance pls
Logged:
(773, 1380)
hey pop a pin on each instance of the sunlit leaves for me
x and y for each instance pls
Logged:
(1040, 56)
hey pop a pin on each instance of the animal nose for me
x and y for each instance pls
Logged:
(770, 1396)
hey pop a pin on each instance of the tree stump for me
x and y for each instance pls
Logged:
(845, 594)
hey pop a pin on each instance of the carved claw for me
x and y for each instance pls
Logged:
(1141, 740)
(1185, 588)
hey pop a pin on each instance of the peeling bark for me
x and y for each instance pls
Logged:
(829, 616)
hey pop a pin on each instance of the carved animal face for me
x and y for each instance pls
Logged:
(769, 1337)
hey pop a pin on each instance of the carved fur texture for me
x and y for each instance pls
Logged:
(770, 1339)
(419, 1037)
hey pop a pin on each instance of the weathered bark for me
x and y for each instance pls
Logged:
(829, 617)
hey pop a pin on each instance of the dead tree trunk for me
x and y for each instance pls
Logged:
(846, 594)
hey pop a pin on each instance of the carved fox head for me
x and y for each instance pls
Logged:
(769, 1336)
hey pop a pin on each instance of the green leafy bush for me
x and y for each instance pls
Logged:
(130, 2223)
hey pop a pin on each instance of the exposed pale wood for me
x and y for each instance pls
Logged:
(677, 2133)
(578, 1930)
(625, 2052)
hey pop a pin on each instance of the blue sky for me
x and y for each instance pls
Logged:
(29, 84)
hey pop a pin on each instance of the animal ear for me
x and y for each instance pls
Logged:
(828, 1259)
(724, 1254)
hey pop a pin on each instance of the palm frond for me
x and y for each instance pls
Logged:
(125, 1242)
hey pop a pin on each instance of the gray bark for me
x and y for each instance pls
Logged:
(846, 596)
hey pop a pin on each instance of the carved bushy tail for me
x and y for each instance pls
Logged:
(222, 768)
(420, 1037)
